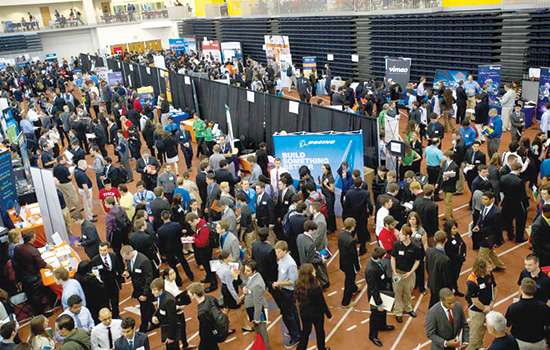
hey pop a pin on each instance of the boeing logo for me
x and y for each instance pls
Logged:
(304, 143)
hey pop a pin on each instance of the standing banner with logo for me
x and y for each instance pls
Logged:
(177, 45)
(277, 49)
(9, 125)
(450, 77)
(114, 77)
(211, 50)
(544, 91)
(232, 50)
(316, 149)
(490, 75)
(399, 70)
(8, 192)
(308, 63)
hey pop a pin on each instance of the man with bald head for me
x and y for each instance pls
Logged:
(106, 332)
(85, 189)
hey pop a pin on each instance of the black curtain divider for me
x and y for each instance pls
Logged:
(146, 75)
(162, 81)
(176, 86)
(114, 65)
(85, 62)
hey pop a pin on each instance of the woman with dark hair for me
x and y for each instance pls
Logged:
(171, 149)
(94, 290)
(327, 187)
(312, 305)
(40, 339)
(525, 152)
(455, 248)
(420, 237)
(159, 143)
(408, 160)
(446, 103)
(305, 178)
(149, 137)
(182, 299)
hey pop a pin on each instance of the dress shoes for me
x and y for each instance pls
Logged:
(376, 341)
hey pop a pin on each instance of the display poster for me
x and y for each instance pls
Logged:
(450, 77)
(399, 70)
(277, 48)
(9, 125)
(113, 78)
(8, 192)
(308, 63)
(211, 51)
(316, 149)
(232, 50)
(490, 75)
(544, 91)
(166, 76)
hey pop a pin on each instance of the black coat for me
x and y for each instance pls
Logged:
(141, 274)
(515, 195)
(111, 278)
(490, 227)
(170, 238)
(317, 306)
(378, 280)
(158, 205)
(264, 255)
(429, 213)
(449, 185)
(145, 244)
(438, 266)
(461, 97)
(265, 210)
(200, 180)
(167, 316)
(349, 261)
(540, 237)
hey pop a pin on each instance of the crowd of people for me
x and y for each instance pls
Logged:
(267, 231)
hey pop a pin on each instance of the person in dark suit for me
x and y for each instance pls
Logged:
(89, 238)
(396, 210)
(357, 204)
(304, 88)
(307, 253)
(140, 270)
(77, 152)
(438, 266)
(131, 340)
(148, 167)
(213, 194)
(474, 157)
(515, 203)
(261, 157)
(145, 243)
(295, 227)
(110, 270)
(540, 236)
(100, 137)
(79, 125)
(284, 199)
(449, 175)
(378, 282)
(113, 138)
(489, 229)
(265, 211)
(349, 262)
(264, 254)
(184, 139)
(158, 205)
(445, 321)
(461, 99)
(110, 173)
(170, 245)
(200, 180)
(428, 212)
(222, 174)
(482, 175)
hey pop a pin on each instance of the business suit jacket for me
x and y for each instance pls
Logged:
(397, 211)
(158, 205)
(78, 154)
(306, 250)
(439, 329)
(140, 168)
(357, 204)
(516, 120)
(477, 182)
(490, 227)
(284, 203)
(224, 175)
(142, 275)
(144, 243)
(540, 237)
(264, 254)
(113, 279)
(231, 244)
(515, 195)
(111, 173)
(167, 316)
(169, 235)
(89, 239)
(461, 97)
(213, 194)
(438, 267)
(321, 233)
(429, 213)
(200, 180)
(349, 261)
(449, 185)
(377, 281)
(113, 138)
(140, 340)
(265, 211)
(230, 216)
(256, 298)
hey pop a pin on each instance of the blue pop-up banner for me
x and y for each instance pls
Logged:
(490, 75)
(316, 149)
(544, 91)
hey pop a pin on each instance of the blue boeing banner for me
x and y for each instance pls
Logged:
(490, 75)
(316, 149)
(544, 91)
(450, 77)
(177, 44)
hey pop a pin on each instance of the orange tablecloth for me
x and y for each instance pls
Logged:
(38, 228)
(47, 276)
(188, 125)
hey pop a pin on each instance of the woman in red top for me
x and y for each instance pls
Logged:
(125, 125)
(137, 103)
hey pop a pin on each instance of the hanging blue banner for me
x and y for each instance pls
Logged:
(490, 75)
(8, 192)
(315, 149)
(450, 77)
(177, 44)
(308, 63)
(544, 91)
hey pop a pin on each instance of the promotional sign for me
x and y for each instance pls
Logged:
(450, 77)
(113, 78)
(316, 149)
(3, 64)
(399, 70)
(544, 91)
(102, 73)
(308, 63)
(211, 50)
(159, 61)
(8, 192)
(190, 46)
(277, 47)
(177, 45)
(119, 50)
(9, 125)
(166, 76)
(232, 50)
(51, 57)
(146, 93)
(490, 75)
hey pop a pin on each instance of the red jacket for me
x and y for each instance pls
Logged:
(386, 239)
(202, 236)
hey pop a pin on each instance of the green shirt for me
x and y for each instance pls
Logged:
(198, 126)
(408, 158)
(382, 119)
(208, 134)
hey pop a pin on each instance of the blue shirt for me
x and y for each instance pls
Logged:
(26, 126)
(468, 135)
(71, 288)
(185, 197)
(288, 271)
(82, 179)
(495, 124)
(433, 156)
(147, 196)
(251, 194)
(545, 168)
(469, 86)
(172, 128)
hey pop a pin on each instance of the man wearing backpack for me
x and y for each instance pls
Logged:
(204, 243)
(213, 323)
(123, 149)
(117, 225)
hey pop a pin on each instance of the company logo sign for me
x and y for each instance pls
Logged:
(304, 143)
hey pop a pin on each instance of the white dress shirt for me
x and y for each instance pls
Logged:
(100, 335)
(85, 321)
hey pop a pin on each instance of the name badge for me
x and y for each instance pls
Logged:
(478, 161)
(264, 203)
(99, 267)
(482, 286)
(137, 270)
(162, 312)
(436, 132)
(141, 348)
(401, 252)
(453, 241)
(84, 237)
(286, 202)
(383, 277)
(171, 178)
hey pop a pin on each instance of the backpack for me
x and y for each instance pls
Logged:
(213, 239)
(9, 271)
(319, 199)
(286, 221)
(220, 321)
(122, 223)
(289, 72)
(122, 177)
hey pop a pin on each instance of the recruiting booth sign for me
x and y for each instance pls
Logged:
(450, 77)
(308, 63)
(490, 75)
(544, 91)
(399, 70)
(315, 149)
(211, 50)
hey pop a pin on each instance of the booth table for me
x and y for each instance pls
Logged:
(528, 111)
(61, 255)
(32, 222)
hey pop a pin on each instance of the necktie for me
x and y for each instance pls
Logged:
(146, 162)
(450, 316)
(473, 157)
(484, 212)
(110, 335)
(108, 268)
(131, 343)
(277, 175)
(77, 321)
